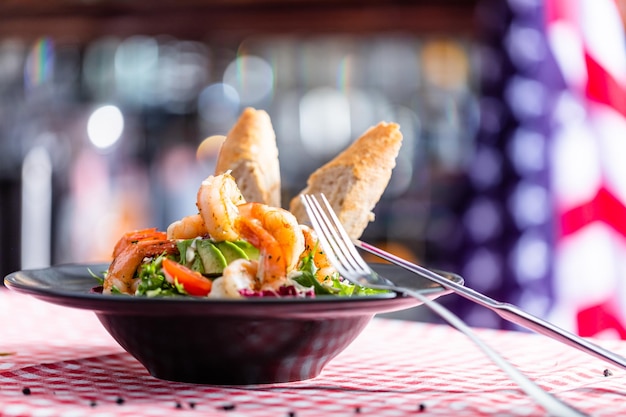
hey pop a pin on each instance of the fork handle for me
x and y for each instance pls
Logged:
(518, 316)
(507, 311)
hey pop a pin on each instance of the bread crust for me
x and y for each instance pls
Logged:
(251, 154)
(355, 180)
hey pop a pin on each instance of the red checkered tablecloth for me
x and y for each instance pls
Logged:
(57, 361)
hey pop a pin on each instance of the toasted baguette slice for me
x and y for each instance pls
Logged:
(355, 179)
(250, 153)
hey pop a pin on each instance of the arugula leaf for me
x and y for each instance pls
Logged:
(153, 282)
(115, 290)
(307, 280)
(98, 278)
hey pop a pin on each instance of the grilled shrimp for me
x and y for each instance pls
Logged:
(311, 243)
(188, 227)
(129, 238)
(225, 216)
(121, 273)
(238, 275)
(218, 201)
(277, 235)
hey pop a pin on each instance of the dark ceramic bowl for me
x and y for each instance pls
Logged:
(233, 342)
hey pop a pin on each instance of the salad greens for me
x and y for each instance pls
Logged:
(153, 282)
(332, 284)
(209, 258)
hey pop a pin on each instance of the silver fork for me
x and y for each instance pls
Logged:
(507, 311)
(343, 255)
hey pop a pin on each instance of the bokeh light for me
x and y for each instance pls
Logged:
(218, 104)
(209, 148)
(105, 126)
(136, 65)
(252, 77)
(40, 63)
(324, 122)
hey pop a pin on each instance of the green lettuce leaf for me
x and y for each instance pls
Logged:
(332, 284)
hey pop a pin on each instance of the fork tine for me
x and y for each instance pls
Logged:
(346, 241)
(313, 210)
(330, 236)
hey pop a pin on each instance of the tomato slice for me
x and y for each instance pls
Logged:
(193, 282)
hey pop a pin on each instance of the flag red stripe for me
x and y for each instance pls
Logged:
(602, 87)
(604, 207)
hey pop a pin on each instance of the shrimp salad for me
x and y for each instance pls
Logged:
(229, 249)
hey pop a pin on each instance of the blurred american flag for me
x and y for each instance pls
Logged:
(543, 214)
(588, 166)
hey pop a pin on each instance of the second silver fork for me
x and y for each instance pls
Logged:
(343, 255)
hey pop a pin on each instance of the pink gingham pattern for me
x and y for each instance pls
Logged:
(57, 361)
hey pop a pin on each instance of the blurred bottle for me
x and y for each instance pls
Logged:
(9, 224)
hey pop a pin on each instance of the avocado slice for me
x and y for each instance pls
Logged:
(231, 251)
(250, 251)
(197, 265)
(212, 258)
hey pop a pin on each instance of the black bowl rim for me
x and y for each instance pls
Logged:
(71, 285)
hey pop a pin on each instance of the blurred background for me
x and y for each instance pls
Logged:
(512, 115)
